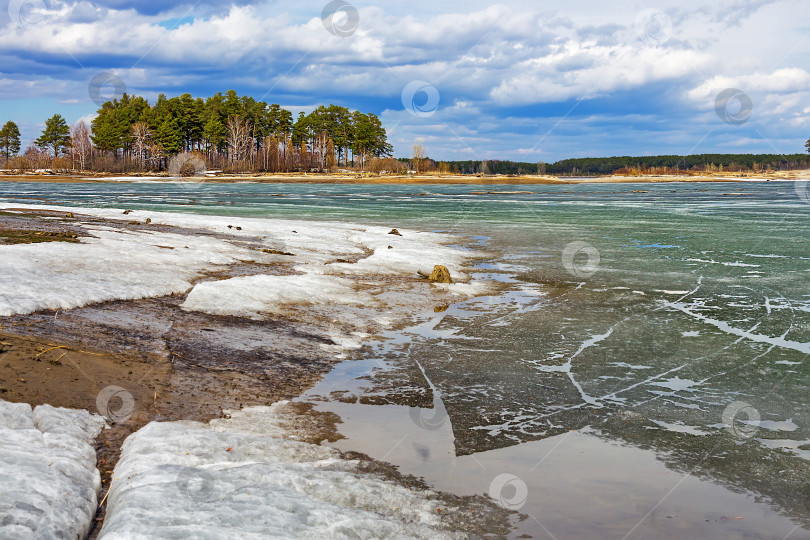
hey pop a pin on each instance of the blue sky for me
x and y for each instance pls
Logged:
(529, 81)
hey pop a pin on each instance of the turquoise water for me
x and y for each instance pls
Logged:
(642, 372)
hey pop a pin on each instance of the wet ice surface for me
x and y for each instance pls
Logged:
(246, 476)
(584, 389)
(47, 471)
(663, 395)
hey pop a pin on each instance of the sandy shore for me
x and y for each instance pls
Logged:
(358, 178)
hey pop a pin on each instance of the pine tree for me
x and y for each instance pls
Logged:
(55, 137)
(10, 140)
(214, 134)
(807, 145)
(169, 137)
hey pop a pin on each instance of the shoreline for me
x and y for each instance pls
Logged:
(364, 179)
(193, 364)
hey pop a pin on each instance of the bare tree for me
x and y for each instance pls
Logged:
(240, 138)
(80, 145)
(418, 156)
(141, 142)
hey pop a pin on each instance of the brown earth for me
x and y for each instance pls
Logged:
(428, 178)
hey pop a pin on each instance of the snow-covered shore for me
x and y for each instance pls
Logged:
(118, 263)
(240, 476)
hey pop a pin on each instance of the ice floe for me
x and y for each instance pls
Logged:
(243, 477)
(48, 471)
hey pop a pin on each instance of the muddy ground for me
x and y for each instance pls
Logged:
(144, 360)
(135, 362)
(138, 361)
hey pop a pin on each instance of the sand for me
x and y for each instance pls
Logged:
(365, 178)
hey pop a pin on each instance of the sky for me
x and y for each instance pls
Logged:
(470, 80)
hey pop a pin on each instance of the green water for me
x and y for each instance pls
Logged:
(659, 332)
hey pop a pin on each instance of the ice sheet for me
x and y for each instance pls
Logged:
(119, 264)
(48, 471)
(244, 477)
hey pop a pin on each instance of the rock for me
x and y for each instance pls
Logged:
(390, 247)
(395, 232)
(126, 212)
(69, 215)
(277, 252)
(440, 274)
(148, 220)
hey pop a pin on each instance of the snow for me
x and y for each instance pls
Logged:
(113, 265)
(254, 296)
(48, 471)
(245, 477)
(123, 264)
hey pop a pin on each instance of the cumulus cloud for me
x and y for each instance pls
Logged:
(505, 73)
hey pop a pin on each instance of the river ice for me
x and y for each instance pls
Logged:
(246, 477)
(48, 471)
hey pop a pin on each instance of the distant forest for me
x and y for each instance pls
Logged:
(626, 165)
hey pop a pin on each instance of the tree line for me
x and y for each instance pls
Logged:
(627, 165)
(228, 132)
(240, 134)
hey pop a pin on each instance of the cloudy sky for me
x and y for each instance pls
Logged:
(528, 81)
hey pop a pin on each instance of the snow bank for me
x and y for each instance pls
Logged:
(240, 478)
(125, 264)
(48, 471)
(253, 296)
(114, 265)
